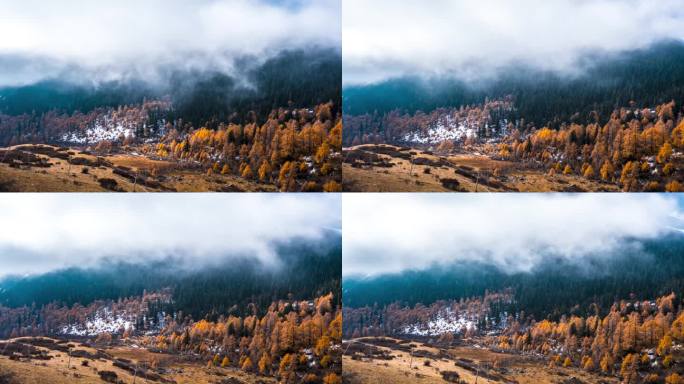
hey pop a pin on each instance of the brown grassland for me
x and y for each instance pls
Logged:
(48, 365)
(389, 360)
(46, 168)
(389, 168)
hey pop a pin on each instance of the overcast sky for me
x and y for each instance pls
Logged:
(475, 38)
(110, 39)
(390, 233)
(43, 232)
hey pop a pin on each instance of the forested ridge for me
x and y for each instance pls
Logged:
(293, 341)
(639, 149)
(636, 340)
(298, 149)
(603, 83)
(296, 79)
(554, 288)
(223, 286)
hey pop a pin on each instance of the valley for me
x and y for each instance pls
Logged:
(119, 341)
(616, 124)
(636, 342)
(481, 149)
(134, 149)
(243, 305)
(514, 288)
(275, 125)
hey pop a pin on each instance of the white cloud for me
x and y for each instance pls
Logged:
(476, 38)
(42, 232)
(115, 38)
(390, 233)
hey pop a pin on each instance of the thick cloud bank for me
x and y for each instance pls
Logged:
(391, 233)
(471, 39)
(39, 233)
(115, 39)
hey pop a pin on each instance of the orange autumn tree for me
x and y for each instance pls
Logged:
(301, 146)
(272, 343)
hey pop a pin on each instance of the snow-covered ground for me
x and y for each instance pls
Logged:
(108, 128)
(103, 322)
(97, 133)
(447, 321)
(439, 134)
(448, 128)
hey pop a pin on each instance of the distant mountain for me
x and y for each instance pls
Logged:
(647, 77)
(221, 286)
(557, 287)
(293, 78)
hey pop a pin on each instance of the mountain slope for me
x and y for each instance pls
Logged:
(648, 77)
(291, 79)
(550, 290)
(223, 286)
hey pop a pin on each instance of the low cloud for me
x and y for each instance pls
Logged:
(475, 39)
(40, 233)
(117, 39)
(392, 233)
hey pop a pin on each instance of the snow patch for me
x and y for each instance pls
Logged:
(103, 322)
(98, 133)
(449, 128)
(446, 321)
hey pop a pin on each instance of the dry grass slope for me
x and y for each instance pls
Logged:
(388, 168)
(45, 168)
(101, 366)
(388, 360)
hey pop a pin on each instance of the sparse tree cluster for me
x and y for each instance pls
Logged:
(394, 126)
(392, 319)
(50, 319)
(55, 126)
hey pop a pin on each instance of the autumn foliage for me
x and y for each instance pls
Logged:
(635, 147)
(291, 337)
(291, 148)
(633, 338)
